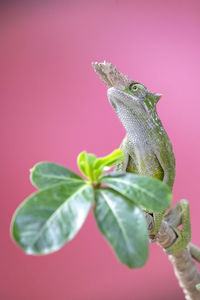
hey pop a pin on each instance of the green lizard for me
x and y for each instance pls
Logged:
(147, 148)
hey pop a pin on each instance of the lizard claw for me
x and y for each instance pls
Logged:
(169, 252)
(152, 238)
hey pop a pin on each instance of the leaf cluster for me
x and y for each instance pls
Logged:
(52, 216)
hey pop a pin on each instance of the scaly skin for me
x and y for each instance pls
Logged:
(148, 150)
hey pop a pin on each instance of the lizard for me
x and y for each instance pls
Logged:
(146, 146)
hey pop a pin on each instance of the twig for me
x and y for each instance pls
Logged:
(183, 264)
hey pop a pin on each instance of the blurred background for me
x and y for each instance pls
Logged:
(53, 106)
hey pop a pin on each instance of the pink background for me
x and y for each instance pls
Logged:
(53, 106)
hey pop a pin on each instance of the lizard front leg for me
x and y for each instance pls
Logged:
(157, 217)
(123, 164)
(167, 166)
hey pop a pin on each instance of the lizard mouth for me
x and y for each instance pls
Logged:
(117, 98)
(115, 95)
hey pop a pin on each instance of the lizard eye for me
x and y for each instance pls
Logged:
(133, 88)
(136, 89)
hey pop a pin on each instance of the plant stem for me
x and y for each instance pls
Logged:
(184, 267)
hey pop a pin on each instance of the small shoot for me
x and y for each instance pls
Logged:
(92, 167)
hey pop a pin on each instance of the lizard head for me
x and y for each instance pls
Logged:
(135, 98)
(139, 91)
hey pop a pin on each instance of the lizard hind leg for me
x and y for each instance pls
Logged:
(183, 235)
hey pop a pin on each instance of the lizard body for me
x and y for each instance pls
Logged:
(147, 147)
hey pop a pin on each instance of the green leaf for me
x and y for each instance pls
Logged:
(147, 192)
(93, 167)
(124, 226)
(109, 160)
(45, 174)
(81, 163)
(48, 219)
(85, 163)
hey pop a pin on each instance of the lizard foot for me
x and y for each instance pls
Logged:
(184, 235)
(157, 217)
